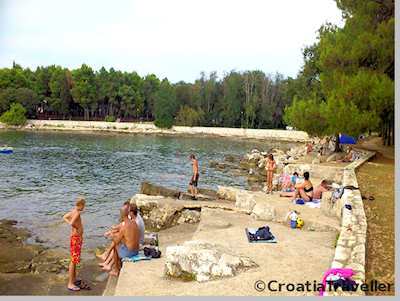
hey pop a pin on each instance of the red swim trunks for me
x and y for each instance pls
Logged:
(75, 248)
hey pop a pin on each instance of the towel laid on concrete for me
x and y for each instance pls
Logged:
(253, 231)
(135, 258)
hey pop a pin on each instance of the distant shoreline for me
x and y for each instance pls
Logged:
(150, 128)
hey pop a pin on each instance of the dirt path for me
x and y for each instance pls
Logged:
(376, 178)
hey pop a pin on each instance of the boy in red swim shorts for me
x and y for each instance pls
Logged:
(73, 218)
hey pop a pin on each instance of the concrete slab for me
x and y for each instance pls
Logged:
(297, 257)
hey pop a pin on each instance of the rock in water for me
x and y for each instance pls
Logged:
(203, 261)
(151, 189)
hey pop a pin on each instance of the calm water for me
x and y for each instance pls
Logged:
(48, 170)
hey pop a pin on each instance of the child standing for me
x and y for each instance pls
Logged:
(270, 167)
(73, 218)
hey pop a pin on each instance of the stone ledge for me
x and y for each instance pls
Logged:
(351, 250)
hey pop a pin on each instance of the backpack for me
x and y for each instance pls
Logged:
(263, 233)
(151, 252)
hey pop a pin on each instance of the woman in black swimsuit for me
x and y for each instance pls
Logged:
(305, 189)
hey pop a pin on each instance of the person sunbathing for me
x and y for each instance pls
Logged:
(288, 186)
(321, 188)
(302, 190)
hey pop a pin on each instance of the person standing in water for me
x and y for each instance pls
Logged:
(195, 177)
(270, 166)
(73, 218)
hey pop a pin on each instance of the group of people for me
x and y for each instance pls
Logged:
(126, 238)
(304, 189)
(290, 185)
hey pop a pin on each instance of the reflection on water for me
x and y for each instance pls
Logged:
(48, 170)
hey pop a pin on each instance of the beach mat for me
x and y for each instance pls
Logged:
(252, 231)
(136, 258)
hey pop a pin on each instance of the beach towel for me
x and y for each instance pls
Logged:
(315, 203)
(252, 231)
(136, 258)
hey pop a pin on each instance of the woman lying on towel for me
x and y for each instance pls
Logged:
(303, 190)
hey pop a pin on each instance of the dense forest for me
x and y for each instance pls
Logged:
(240, 99)
(346, 85)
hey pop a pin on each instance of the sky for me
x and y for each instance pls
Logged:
(176, 39)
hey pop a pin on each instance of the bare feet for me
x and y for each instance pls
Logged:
(113, 273)
(73, 288)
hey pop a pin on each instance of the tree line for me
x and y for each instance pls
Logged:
(346, 84)
(250, 99)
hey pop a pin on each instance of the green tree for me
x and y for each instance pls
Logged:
(353, 67)
(14, 116)
(232, 112)
(60, 88)
(189, 117)
(306, 115)
(165, 105)
(24, 96)
(84, 89)
(151, 85)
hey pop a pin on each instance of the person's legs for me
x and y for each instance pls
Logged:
(196, 181)
(296, 194)
(117, 264)
(270, 176)
(75, 248)
(72, 276)
(108, 259)
(106, 253)
(304, 196)
(289, 194)
(108, 266)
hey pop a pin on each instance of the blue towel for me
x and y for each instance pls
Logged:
(300, 202)
(135, 258)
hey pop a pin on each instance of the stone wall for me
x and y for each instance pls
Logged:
(351, 245)
(316, 171)
(148, 127)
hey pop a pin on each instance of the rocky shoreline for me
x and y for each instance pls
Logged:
(32, 269)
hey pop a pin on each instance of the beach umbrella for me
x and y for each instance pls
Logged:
(344, 139)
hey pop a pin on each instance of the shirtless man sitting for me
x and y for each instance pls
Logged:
(125, 242)
(323, 187)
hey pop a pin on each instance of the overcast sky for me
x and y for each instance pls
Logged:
(171, 38)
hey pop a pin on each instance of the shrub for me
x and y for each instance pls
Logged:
(109, 118)
(15, 115)
(189, 117)
(165, 122)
